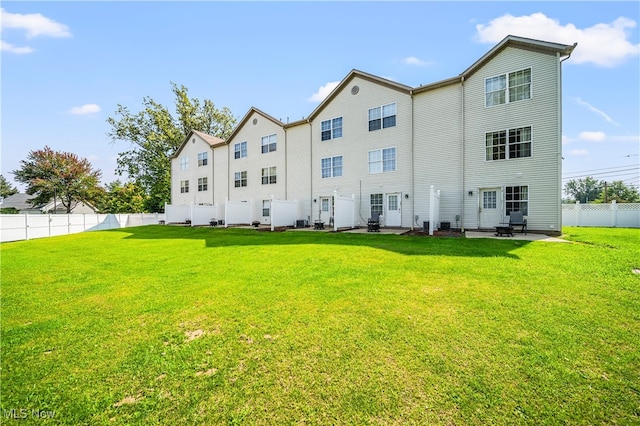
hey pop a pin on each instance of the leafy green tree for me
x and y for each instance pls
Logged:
(58, 175)
(154, 135)
(583, 190)
(6, 188)
(123, 198)
(620, 192)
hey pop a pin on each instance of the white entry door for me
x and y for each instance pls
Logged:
(326, 209)
(393, 216)
(490, 207)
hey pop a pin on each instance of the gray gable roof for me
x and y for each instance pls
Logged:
(18, 202)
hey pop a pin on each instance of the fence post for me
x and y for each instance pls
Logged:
(578, 211)
(26, 226)
(614, 213)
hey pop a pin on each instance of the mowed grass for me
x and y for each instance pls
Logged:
(173, 325)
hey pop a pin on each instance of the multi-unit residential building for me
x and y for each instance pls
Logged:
(488, 139)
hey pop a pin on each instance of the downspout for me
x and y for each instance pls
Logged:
(413, 159)
(462, 152)
(286, 170)
(213, 174)
(559, 90)
(310, 170)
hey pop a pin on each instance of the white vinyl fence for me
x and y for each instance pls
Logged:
(344, 212)
(238, 213)
(617, 215)
(16, 227)
(283, 213)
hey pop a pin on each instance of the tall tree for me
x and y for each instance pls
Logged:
(58, 175)
(154, 135)
(583, 190)
(619, 192)
(123, 198)
(6, 188)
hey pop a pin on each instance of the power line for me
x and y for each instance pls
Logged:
(612, 173)
(606, 168)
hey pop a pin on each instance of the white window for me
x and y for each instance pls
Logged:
(202, 184)
(506, 88)
(266, 208)
(517, 199)
(269, 143)
(240, 179)
(202, 159)
(382, 117)
(505, 144)
(184, 163)
(331, 129)
(331, 167)
(489, 199)
(376, 204)
(184, 186)
(382, 160)
(269, 175)
(240, 150)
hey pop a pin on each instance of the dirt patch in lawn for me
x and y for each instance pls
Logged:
(454, 233)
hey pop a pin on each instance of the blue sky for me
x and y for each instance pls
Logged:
(67, 65)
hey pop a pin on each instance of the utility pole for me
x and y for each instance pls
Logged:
(606, 196)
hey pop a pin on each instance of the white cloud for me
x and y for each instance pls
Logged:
(603, 44)
(412, 60)
(34, 24)
(7, 47)
(323, 91)
(592, 136)
(579, 152)
(85, 109)
(597, 111)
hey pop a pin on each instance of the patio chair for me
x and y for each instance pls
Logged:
(373, 224)
(517, 219)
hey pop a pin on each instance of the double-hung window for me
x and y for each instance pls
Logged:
(239, 150)
(269, 143)
(239, 179)
(505, 144)
(506, 88)
(269, 175)
(382, 160)
(382, 117)
(331, 167)
(202, 184)
(517, 199)
(184, 186)
(202, 159)
(376, 204)
(184, 163)
(331, 129)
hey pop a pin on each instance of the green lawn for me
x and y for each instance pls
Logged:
(173, 325)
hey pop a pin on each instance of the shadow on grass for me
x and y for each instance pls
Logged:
(401, 244)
